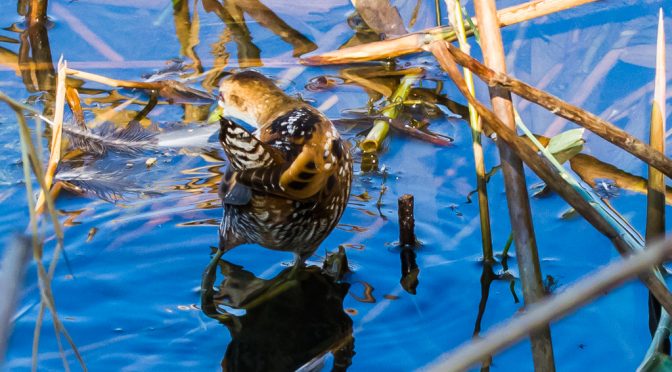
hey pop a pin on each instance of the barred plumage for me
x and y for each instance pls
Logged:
(288, 183)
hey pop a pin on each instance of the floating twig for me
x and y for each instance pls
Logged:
(416, 42)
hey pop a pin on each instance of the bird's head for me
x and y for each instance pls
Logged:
(251, 97)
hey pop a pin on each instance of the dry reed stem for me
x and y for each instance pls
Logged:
(548, 174)
(552, 308)
(655, 221)
(415, 42)
(516, 187)
(457, 21)
(56, 134)
(588, 120)
(655, 200)
(113, 82)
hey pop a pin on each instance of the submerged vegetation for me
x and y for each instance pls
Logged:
(107, 138)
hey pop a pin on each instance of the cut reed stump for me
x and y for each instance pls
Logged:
(516, 187)
(407, 242)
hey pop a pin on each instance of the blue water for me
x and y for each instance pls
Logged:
(130, 296)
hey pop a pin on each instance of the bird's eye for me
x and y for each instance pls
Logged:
(221, 100)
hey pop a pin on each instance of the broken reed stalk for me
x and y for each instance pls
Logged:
(56, 134)
(415, 42)
(407, 242)
(549, 175)
(13, 265)
(516, 187)
(655, 199)
(113, 82)
(457, 21)
(588, 120)
(406, 221)
(553, 307)
(381, 127)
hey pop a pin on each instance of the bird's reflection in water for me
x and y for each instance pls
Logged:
(291, 322)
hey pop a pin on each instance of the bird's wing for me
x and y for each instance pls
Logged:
(260, 167)
(244, 150)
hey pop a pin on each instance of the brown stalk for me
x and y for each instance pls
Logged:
(37, 12)
(415, 42)
(547, 173)
(655, 200)
(588, 120)
(516, 187)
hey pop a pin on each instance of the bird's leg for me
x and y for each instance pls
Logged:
(208, 284)
(210, 274)
(299, 263)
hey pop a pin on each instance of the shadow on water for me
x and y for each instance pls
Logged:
(290, 321)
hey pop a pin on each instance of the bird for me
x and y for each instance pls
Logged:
(287, 182)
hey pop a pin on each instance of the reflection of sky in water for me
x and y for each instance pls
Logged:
(128, 303)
